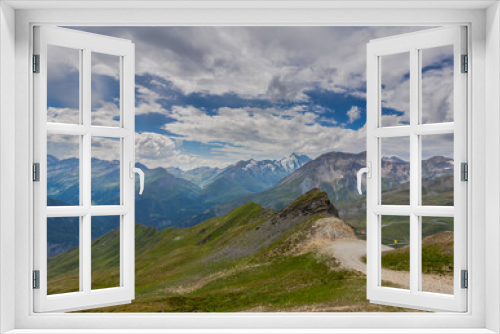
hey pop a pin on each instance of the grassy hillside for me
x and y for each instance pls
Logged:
(437, 255)
(250, 259)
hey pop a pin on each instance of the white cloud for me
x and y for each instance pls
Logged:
(263, 134)
(148, 104)
(103, 64)
(63, 146)
(354, 114)
(157, 150)
(437, 86)
(105, 148)
(61, 61)
(154, 146)
(269, 62)
(63, 115)
(108, 114)
(260, 62)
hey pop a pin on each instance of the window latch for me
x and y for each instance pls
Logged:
(139, 171)
(368, 171)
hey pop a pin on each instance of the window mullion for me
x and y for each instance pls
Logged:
(85, 165)
(414, 171)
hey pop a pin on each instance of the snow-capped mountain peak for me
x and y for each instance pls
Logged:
(294, 161)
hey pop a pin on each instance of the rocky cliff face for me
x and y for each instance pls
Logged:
(312, 215)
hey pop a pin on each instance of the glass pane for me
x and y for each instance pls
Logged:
(105, 171)
(437, 169)
(395, 170)
(395, 89)
(437, 84)
(105, 89)
(63, 170)
(63, 84)
(63, 255)
(437, 254)
(395, 251)
(106, 252)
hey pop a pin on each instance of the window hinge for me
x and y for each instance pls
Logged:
(36, 279)
(36, 63)
(36, 172)
(464, 171)
(465, 279)
(465, 64)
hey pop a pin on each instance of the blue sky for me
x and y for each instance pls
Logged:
(210, 96)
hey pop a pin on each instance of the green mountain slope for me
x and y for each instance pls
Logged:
(437, 255)
(249, 259)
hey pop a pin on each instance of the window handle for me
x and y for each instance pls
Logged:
(133, 171)
(368, 171)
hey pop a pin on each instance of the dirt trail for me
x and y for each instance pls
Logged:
(349, 253)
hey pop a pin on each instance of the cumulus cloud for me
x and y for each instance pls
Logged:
(108, 114)
(63, 146)
(354, 114)
(437, 86)
(275, 64)
(147, 101)
(266, 62)
(154, 146)
(63, 115)
(157, 150)
(261, 134)
(108, 65)
(105, 148)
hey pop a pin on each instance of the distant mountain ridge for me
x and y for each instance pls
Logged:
(249, 177)
(171, 194)
(265, 172)
(170, 200)
(335, 173)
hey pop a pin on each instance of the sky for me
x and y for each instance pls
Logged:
(211, 96)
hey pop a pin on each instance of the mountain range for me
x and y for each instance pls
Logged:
(336, 174)
(173, 197)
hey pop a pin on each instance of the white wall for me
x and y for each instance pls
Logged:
(492, 166)
(7, 161)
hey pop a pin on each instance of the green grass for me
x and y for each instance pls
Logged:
(437, 255)
(189, 270)
(434, 261)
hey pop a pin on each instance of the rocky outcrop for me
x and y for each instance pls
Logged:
(332, 228)
(312, 215)
(314, 201)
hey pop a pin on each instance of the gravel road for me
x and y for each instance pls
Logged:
(349, 253)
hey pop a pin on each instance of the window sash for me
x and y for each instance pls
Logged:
(412, 43)
(86, 43)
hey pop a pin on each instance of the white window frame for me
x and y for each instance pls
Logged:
(413, 44)
(483, 125)
(85, 44)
